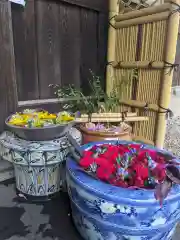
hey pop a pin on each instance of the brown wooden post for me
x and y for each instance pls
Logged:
(8, 91)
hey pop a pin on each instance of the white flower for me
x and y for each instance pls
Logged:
(108, 208)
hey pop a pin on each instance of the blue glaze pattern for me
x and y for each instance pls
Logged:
(103, 211)
(39, 165)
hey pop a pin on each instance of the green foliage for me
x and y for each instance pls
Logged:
(97, 99)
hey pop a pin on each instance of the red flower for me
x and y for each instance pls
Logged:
(111, 154)
(139, 182)
(135, 146)
(85, 162)
(87, 153)
(105, 169)
(141, 171)
(107, 164)
(122, 149)
(143, 152)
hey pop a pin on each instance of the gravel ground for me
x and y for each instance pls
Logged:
(172, 138)
(175, 105)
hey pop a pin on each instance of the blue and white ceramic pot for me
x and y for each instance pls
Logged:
(104, 212)
(39, 166)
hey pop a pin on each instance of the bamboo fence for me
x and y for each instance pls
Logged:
(144, 40)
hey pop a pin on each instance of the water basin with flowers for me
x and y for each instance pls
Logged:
(113, 211)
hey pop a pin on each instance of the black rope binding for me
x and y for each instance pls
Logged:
(111, 20)
(124, 115)
(167, 111)
(175, 10)
(146, 108)
(171, 66)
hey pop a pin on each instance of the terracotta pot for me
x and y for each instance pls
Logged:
(94, 136)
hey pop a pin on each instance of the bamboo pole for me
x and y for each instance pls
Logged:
(111, 115)
(113, 10)
(143, 12)
(112, 120)
(170, 52)
(139, 64)
(142, 20)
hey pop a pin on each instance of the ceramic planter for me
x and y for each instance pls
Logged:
(39, 166)
(94, 136)
(102, 211)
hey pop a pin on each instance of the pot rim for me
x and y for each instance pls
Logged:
(104, 134)
(140, 197)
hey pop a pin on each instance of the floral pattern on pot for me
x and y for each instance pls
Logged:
(39, 166)
(92, 229)
(35, 153)
(117, 212)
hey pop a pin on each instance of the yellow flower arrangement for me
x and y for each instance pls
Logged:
(31, 118)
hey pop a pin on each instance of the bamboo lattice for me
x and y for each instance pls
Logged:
(139, 38)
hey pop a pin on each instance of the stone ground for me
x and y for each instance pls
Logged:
(45, 221)
(175, 105)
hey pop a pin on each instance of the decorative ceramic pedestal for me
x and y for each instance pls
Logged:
(102, 211)
(39, 166)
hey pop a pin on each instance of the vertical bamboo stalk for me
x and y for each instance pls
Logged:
(113, 10)
(170, 52)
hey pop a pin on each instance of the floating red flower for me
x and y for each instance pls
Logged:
(125, 165)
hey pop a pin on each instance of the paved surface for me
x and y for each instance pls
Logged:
(48, 221)
(175, 105)
(23, 221)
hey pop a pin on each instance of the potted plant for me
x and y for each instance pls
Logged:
(95, 112)
(123, 190)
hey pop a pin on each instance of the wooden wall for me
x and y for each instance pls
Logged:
(58, 42)
(49, 41)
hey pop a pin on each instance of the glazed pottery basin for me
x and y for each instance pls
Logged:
(40, 134)
(39, 165)
(94, 136)
(102, 211)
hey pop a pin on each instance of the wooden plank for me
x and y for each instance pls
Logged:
(47, 15)
(102, 45)
(97, 5)
(8, 94)
(105, 120)
(23, 20)
(89, 46)
(70, 44)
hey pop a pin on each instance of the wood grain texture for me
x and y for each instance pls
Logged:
(70, 44)
(57, 42)
(23, 20)
(98, 5)
(48, 42)
(102, 46)
(89, 46)
(8, 94)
